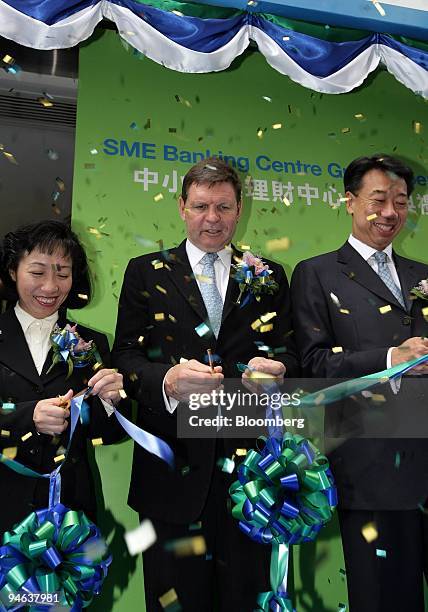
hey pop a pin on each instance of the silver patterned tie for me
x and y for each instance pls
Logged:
(210, 293)
(385, 274)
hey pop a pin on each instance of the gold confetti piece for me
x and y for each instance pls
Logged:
(172, 318)
(267, 317)
(157, 265)
(122, 393)
(344, 311)
(285, 201)
(140, 539)
(276, 126)
(97, 441)
(252, 3)
(10, 158)
(8, 59)
(140, 339)
(417, 126)
(97, 366)
(93, 151)
(26, 436)
(256, 324)
(259, 133)
(369, 532)
(345, 130)
(133, 377)
(371, 217)
(379, 8)
(425, 311)
(385, 309)
(5, 433)
(257, 375)
(267, 98)
(343, 199)
(95, 231)
(359, 116)
(241, 452)
(82, 296)
(278, 244)
(10, 453)
(45, 102)
(337, 349)
(159, 316)
(158, 197)
(161, 289)
(204, 279)
(266, 328)
(245, 247)
(185, 547)
(378, 397)
(168, 598)
(59, 458)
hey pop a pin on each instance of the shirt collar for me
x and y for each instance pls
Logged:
(195, 254)
(26, 319)
(367, 251)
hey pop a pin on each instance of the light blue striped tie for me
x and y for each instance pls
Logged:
(210, 293)
(385, 274)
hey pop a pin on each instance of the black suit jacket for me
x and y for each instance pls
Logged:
(366, 470)
(21, 384)
(178, 496)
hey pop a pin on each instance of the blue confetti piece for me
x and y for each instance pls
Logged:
(202, 329)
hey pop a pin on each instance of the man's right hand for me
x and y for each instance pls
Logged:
(50, 415)
(411, 349)
(191, 377)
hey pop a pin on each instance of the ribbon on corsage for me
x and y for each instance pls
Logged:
(254, 278)
(70, 347)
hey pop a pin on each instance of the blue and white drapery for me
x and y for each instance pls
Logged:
(190, 43)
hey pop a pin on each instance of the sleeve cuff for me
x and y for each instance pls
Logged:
(170, 402)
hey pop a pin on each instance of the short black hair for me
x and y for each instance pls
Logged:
(211, 171)
(47, 237)
(356, 170)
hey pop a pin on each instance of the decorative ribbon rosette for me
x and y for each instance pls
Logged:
(254, 278)
(53, 551)
(421, 290)
(69, 347)
(284, 495)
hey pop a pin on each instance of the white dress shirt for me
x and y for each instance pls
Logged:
(367, 253)
(221, 269)
(37, 333)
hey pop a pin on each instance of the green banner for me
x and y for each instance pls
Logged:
(141, 126)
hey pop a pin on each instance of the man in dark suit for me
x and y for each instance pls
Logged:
(338, 302)
(174, 306)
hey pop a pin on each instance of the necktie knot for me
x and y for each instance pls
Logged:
(208, 259)
(380, 257)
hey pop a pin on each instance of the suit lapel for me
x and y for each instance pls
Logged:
(232, 292)
(408, 276)
(14, 351)
(181, 275)
(355, 267)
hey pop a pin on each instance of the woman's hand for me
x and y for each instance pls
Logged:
(107, 384)
(50, 415)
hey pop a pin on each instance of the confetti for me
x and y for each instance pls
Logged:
(161, 289)
(276, 126)
(82, 296)
(385, 309)
(369, 532)
(172, 318)
(278, 244)
(285, 38)
(97, 366)
(133, 377)
(241, 452)
(285, 201)
(202, 329)
(8, 406)
(195, 526)
(417, 126)
(59, 458)
(93, 151)
(371, 217)
(159, 316)
(177, 13)
(345, 130)
(266, 328)
(8, 59)
(5, 433)
(10, 453)
(380, 553)
(378, 397)
(226, 465)
(204, 279)
(97, 441)
(244, 247)
(122, 393)
(140, 539)
(267, 98)
(94, 551)
(335, 300)
(45, 102)
(425, 312)
(133, 126)
(140, 339)
(256, 324)
(60, 183)
(260, 133)
(337, 349)
(158, 197)
(168, 598)
(185, 470)
(397, 460)
(379, 8)
(10, 157)
(26, 436)
(267, 317)
(252, 3)
(359, 116)
(344, 311)
(186, 547)
(52, 154)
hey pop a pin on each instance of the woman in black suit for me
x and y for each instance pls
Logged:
(46, 266)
